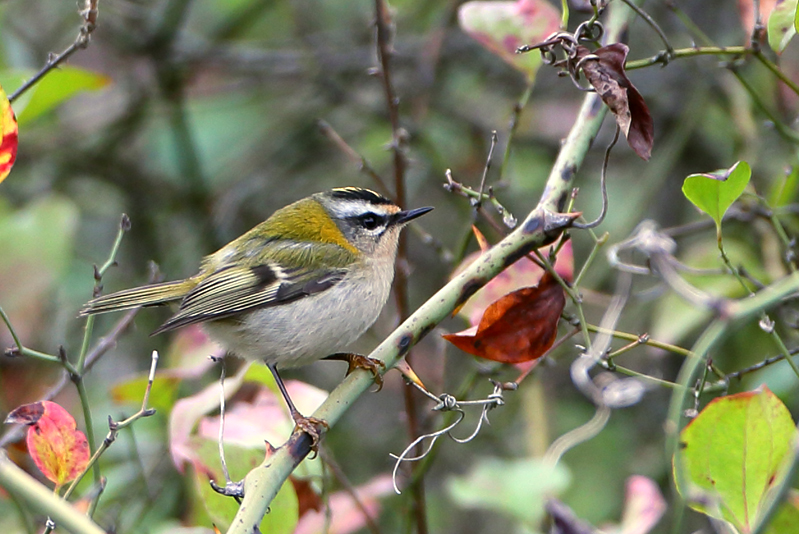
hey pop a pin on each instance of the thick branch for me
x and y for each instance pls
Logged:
(43, 500)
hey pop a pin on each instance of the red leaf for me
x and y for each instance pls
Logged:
(607, 76)
(523, 273)
(58, 449)
(519, 327)
(8, 136)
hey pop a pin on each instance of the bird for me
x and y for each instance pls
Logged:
(298, 287)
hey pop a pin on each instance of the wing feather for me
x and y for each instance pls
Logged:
(234, 289)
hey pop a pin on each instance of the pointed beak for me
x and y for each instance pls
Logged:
(403, 217)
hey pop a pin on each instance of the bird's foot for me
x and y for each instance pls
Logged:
(313, 427)
(359, 361)
(373, 365)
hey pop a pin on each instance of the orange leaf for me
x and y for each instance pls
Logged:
(307, 498)
(8, 136)
(58, 449)
(519, 327)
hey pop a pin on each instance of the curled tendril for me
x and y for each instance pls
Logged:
(590, 31)
(448, 403)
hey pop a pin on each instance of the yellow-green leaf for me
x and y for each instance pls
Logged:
(715, 192)
(731, 456)
(162, 394)
(780, 25)
(56, 87)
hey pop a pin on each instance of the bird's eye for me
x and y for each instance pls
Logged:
(370, 221)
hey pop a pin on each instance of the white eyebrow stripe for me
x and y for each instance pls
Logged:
(355, 208)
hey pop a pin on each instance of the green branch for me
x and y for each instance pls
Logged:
(42, 500)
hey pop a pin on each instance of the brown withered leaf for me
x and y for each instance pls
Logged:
(307, 498)
(519, 327)
(607, 76)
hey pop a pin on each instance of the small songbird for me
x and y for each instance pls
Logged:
(301, 286)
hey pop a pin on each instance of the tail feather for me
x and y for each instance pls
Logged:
(138, 296)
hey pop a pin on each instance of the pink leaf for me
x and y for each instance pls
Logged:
(502, 27)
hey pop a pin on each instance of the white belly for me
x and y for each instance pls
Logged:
(307, 329)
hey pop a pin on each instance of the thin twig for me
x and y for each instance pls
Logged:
(785, 131)
(342, 479)
(602, 186)
(399, 139)
(688, 52)
(654, 25)
(475, 196)
(776, 71)
(360, 161)
(479, 202)
(221, 437)
(513, 123)
(89, 14)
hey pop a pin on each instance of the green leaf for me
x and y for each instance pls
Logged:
(162, 394)
(787, 518)
(780, 25)
(731, 456)
(715, 192)
(518, 488)
(796, 19)
(57, 86)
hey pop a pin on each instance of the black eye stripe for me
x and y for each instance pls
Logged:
(370, 221)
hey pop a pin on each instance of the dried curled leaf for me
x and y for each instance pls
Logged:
(8, 136)
(606, 74)
(519, 327)
(57, 447)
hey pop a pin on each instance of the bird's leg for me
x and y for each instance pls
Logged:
(359, 361)
(309, 425)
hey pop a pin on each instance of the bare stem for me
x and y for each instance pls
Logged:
(89, 14)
